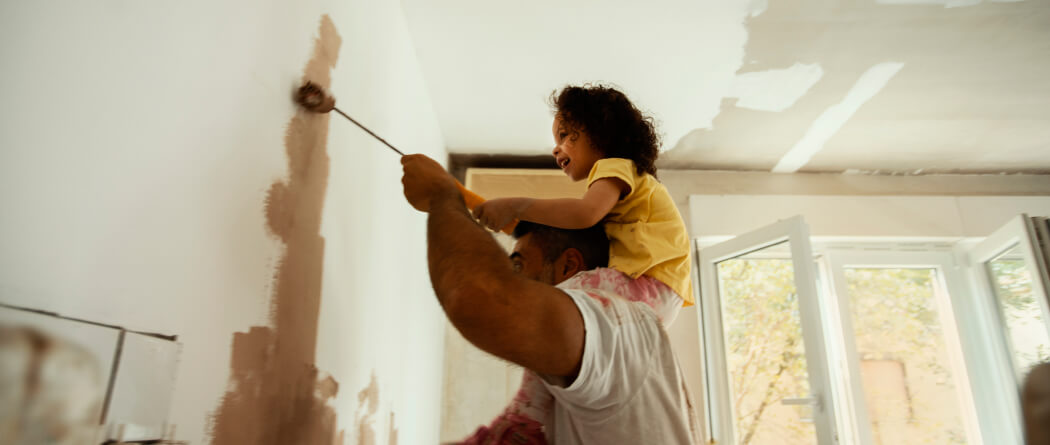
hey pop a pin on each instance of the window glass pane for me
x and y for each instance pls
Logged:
(906, 373)
(1021, 311)
(764, 348)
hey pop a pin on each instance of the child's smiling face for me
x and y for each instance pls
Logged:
(573, 150)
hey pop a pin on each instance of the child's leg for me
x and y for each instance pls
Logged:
(522, 421)
(532, 400)
(657, 295)
(670, 301)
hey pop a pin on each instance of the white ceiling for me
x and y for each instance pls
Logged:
(813, 85)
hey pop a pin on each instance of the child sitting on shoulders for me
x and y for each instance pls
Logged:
(602, 137)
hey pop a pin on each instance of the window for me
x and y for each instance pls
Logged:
(765, 350)
(900, 338)
(1014, 272)
(917, 343)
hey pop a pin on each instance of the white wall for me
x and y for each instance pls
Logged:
(137, 143)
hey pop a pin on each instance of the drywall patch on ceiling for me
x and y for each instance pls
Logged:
(829, 122)
(973, 99)
(774, 90)
(946, 3)
(276, 394)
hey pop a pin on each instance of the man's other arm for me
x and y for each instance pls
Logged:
(526, 322)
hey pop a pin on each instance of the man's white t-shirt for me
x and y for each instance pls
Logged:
(630, 388)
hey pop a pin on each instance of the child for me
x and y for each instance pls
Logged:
(601, 137)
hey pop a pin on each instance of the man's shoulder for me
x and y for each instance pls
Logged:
(628, 374)
(609, 307)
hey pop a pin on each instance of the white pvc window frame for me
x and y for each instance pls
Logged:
(1019, 232)
(952, 299)
(1000, 391)
(978, 324)
(719, 401)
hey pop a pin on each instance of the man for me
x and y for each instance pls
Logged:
(606, 361)
(551, 255)
(1035, 405)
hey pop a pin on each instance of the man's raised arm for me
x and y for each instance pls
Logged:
(526, 322)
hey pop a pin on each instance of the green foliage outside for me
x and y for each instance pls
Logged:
(1021, 312)
(896, 318)
(764, 348)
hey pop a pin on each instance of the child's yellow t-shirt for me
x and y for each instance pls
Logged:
(646, 233)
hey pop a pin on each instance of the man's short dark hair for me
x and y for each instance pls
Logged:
(592, 242)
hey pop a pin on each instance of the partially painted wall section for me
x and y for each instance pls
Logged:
(274, 384)
(155, 175)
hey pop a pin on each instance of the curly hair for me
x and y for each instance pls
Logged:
(616, 127)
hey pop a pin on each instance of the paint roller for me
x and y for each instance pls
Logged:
(313, 98)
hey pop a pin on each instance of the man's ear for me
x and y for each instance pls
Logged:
(569, 263)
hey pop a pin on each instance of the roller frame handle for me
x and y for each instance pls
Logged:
(473, 200)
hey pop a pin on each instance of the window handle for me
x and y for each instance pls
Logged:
(811, 401)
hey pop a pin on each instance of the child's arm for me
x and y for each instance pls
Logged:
(565, 213)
